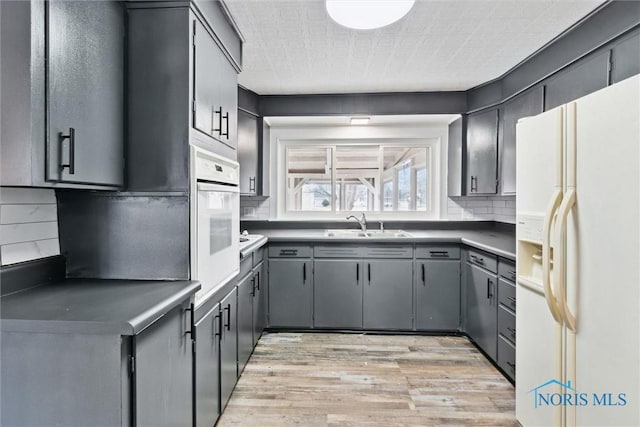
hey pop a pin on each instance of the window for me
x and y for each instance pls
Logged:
(333, 179)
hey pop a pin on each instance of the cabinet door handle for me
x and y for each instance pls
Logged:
(253, 286)
(192, 325)
(424, 282)
(226, 119)
(474, 180)
(219, 129)
(489, 290)
(369, 272)
(258, 280)
(228, 309)
(71, 136)
(304, 273)
(357, 273)
(252, 183)
(511, 365)
(219, 319)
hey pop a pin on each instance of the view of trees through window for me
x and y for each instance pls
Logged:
(345, 178)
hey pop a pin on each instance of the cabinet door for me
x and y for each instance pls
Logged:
(245, 321)
(337, 294)
(482, 313)
(482, 153)
(455, 181)
(388, 302)
(207, 374)
(438, 295)
(290, 293)
(228, 347)
(206, 109)
(586, 76)
(85, 92)
(228, 83)
(259, 301)
(163, 372)
(248, 152)
(527, 104)
(626, 58)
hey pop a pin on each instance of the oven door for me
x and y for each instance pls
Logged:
(217, 236)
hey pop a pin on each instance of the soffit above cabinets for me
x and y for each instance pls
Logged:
(293, 46)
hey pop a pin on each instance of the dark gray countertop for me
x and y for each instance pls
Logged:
(501, 243)
(91, 306)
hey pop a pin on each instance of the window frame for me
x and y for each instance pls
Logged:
(430, 144)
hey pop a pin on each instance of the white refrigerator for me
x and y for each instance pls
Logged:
(578, 262)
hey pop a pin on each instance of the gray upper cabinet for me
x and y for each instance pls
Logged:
(388, 289)
(526, 104)
(163, 372)
(214, 89)
(69, 58)
(290, 292)
(181, 91)
(586, 76)
(338, 293)
(248, 153)
(438, 295)
(207, 369)
(455, 166)
(482, 308)
(482, 153)
(625, 58)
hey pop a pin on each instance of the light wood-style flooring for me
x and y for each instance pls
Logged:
(322, 379)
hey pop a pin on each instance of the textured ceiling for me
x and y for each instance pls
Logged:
(292, 46)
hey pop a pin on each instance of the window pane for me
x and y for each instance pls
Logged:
(388, 195)
(422, 195)
(309, 179)
(405, 178)
(357, 172)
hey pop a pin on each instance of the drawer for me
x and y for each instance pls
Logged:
(388, 251)
(245, 266)
(507, 269)
(483, 259)
(289, 251)
(507, 324)
(507, 294)
(337, 251)
(444, 252)
(507, 357)
(258, 256)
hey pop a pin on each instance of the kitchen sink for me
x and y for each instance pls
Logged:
(368, 234)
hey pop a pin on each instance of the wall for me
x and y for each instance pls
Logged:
(28, 224)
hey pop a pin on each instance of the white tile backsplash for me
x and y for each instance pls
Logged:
(493, 208)
(258, 206)
(28, 224)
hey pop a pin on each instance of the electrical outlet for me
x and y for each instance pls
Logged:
(249, 211)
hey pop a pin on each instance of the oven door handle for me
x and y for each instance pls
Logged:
(204, 186)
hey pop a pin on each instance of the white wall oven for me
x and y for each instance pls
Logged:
(215, 221)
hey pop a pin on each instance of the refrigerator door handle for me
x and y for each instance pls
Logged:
(559, 266)
(552, 302)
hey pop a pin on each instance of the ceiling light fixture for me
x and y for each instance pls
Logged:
(359, 120)
(367, 14)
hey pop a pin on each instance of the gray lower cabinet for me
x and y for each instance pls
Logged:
(245, 320)
(482, 153)
(259, 300)
(69, 57)
(290, 293)
(206, 373)
(437, 295)
(82, 379)
(337, 293)
(387, 301)
(228, 347)
(481, 308)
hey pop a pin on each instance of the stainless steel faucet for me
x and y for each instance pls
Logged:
(362, 222)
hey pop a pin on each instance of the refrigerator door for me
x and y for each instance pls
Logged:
(602, 259)
(539, 182)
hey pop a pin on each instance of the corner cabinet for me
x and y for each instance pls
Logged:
(249, 154)
(69, 58)
(482, 153)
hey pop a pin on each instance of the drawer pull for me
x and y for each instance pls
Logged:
(513, 276)
(288, 252)
(512, 365)
(512, 332)
(477, 259)
(439, 254)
